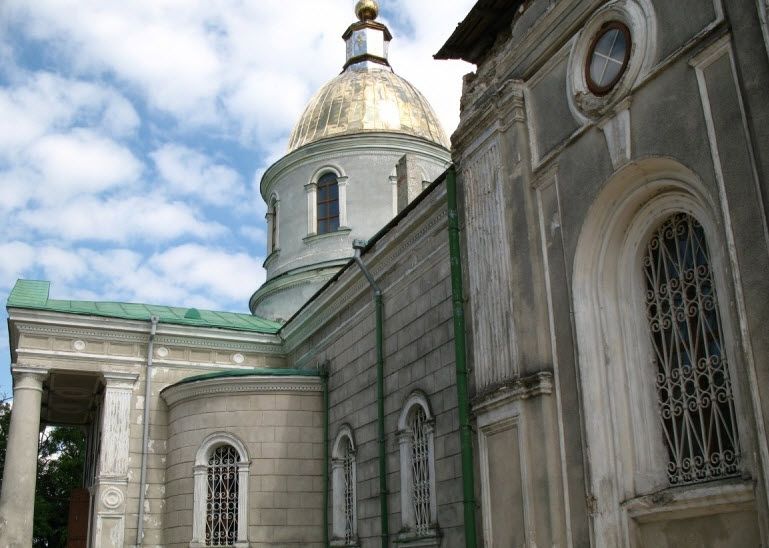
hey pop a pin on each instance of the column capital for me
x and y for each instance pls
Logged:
(342, 180)
(28, 377)
(120, 381)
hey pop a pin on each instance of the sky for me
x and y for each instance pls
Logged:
(133, 135)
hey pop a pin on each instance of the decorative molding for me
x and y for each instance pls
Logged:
(78, 345)
(238, 358)
(616, 130)
(521, 388)
(112, 498)
(239, 385)
(699, 500)
(211, 343)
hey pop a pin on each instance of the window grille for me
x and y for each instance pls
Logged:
(694, 390)
(420, 470)
(328, 204)
(349, 493)
(222, 500)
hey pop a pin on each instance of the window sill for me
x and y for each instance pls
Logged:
(411, 539)
(339, 543)
(312, 238)
(692, 500)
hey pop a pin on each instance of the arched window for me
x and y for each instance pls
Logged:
(694, 392)
(328, 203)
(659, 354)
(343, 477)
(417, 455)
(220, 498)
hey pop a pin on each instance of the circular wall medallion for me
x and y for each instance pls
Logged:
(79, 345)
(607, 57)
(161, 352)
(238, 358)
(112, 497)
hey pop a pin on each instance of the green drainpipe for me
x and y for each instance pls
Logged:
(323, 369)
(379, 311)
(463, 399)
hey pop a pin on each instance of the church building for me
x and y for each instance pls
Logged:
(549, 331)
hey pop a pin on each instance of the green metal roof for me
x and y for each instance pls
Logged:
(33, 295)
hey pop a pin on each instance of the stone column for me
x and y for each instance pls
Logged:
(109, 490)
(408, 519)
(311, 189)
(337, 499)
(17, 502)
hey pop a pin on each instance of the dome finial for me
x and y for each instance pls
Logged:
(367, 10)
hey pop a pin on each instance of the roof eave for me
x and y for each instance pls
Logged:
(477, 32)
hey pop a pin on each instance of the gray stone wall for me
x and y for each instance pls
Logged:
(411, 265)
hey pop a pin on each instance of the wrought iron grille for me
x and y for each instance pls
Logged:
(349, 494)
(420, 470)
(222, 501)
(692, 375)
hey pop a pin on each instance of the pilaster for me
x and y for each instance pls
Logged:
(110, 486)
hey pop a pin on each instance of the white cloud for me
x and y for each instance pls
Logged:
(215, 272)
(18, 257)
(190, 172)
(41, 102)
(151, 218)
(80, 162)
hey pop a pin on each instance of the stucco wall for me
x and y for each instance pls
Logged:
(554, 162)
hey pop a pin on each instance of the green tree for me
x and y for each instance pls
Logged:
(61, 456)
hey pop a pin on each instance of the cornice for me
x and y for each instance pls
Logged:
(521, 388)
(179, 393)
(351, 285)
(134, 331)
(371, 143)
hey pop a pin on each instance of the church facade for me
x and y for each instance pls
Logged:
(557, 341)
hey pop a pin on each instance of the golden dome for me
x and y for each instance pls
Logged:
(370, 100)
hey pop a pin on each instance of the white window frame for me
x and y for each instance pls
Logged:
(628, 458)
(408, 519)
(338, 529)
(311, 190)
(200, 488)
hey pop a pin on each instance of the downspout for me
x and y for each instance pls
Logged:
(358, 245)
(323, 369)
(146, 433)
(463, 398)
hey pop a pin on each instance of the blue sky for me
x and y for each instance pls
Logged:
(133, 135)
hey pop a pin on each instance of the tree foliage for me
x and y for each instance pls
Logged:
(60, 461)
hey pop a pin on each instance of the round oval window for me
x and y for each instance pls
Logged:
(607, 57)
